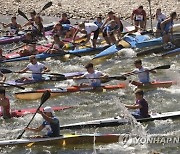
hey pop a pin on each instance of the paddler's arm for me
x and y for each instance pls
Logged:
(135, 106)
(145, 21)
(24, 70)
(78, 77)
(6, 25)
(132, 18)
(47, 118)
(46, 69)
(35, 129)
(106, 21)
(74, 36)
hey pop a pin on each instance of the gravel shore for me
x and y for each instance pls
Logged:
(88, 8)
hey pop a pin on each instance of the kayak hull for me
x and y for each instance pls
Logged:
(157, 84)
(47, 78)
(31, 95)
(172, 53)
(67, 140)
(23, 112)
(120, 120)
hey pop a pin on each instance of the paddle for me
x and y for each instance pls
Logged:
(6, 71)
(46, 6)
(14, 85)
(156, 68)
(150, 12)
(44, 98)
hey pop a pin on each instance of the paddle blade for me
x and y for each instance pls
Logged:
(45, 97)
(4, 71)
(46, 6)
(22, 14)
(163, 67)
(118, 78)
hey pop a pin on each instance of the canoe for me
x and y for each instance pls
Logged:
(172, 53)
(65, 141)
(46, 78)
(120, 120)
(23, 112)
(157, 84)
(21, 36)
(36, 94)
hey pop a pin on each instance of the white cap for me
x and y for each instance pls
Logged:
(48, 109)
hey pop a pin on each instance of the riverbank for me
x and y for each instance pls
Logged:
(78, 9)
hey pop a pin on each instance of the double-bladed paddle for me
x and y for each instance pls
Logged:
(44, 98)
(156, 68)
(46, 6)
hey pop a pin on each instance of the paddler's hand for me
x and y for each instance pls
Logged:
(40, 112)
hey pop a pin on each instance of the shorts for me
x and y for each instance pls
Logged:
(95, 84)
(159, 26)
(96, 34)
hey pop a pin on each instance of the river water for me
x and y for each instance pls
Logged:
(89, 106)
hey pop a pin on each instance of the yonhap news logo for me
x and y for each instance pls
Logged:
(149, 139)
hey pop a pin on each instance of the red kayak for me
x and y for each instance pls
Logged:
(23, 112)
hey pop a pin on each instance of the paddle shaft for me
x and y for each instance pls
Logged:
(14, 85)
(44, 98)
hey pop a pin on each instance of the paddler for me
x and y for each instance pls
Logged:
(32, 19)
(64, 19)
(14, 26)
(141, 106)
(93, 76)
(142, 72)
(109, 31)
(111, 16)
(37, 69)
(139, 18)
(37, 27)
(30, 47)
(57, 45)
(167, 29)
(50, 123)
(87, 29)
(5, 105)
(99, 21)
(159, 17)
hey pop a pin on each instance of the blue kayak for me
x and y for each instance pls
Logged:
(172, 52)
(127, 42)
(76, 52)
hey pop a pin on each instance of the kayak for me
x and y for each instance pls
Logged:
(65, 141)
(23, 112)
(172, 53)
(46, 78)
(128, 41)
(36, 94)
(21, 36)
(157, 84)
(76, 52)
(134, 40)
(120, 120)
(160, 48)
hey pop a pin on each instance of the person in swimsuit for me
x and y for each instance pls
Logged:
(139, 18)
(87, 29)
(64, 19)
(92, 75)
(30, 48)
(111, 16)
(5, 104)
(141, 106)
(142, 72)
(37, 69)
(167, 29)
(159, 17)
(57, 45)
(14, 26)
(50, 123)
(109, 31)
